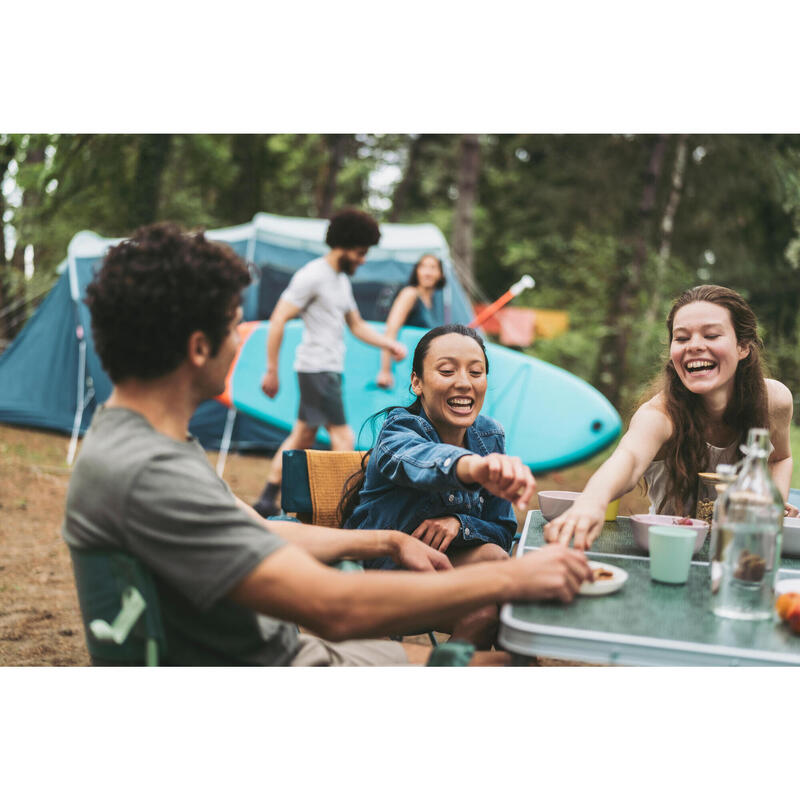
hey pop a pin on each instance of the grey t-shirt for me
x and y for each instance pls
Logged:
(135, 489)
(323, 296)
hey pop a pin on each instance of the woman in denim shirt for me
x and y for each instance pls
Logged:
(438, 470)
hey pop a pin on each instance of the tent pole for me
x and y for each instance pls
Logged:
(76, 425)
(226, 441)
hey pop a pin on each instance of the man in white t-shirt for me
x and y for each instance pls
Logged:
(321, 294)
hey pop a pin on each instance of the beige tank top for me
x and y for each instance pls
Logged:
(656, 477)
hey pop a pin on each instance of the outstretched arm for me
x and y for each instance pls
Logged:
(648, 431)
(362, 331)
(289, 584)
(398, 314)
(282, 313)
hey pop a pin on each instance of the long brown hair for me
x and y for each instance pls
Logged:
(685, 452)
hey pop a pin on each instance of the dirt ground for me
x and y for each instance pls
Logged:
(40, 623)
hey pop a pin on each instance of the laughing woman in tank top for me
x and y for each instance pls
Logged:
(711, 391)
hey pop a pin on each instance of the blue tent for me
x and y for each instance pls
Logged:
(51, 376)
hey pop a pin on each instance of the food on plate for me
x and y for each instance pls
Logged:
(682, 521)
(601, 574)
(788, 608)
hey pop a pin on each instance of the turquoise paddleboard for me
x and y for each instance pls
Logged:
(552, 418)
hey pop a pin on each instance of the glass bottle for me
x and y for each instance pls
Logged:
(723, 478)
(747, 546)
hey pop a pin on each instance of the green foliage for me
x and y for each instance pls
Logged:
(564, 208)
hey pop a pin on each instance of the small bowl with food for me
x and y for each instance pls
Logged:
(641, 524)
(554, 503)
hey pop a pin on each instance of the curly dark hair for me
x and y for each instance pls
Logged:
(153, 291)
(352, 228)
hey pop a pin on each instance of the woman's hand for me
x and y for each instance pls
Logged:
(583, 521)
(438, 532)
(504, 476)
(385, 379)
(790, 511)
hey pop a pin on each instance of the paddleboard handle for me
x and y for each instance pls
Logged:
(525, 282)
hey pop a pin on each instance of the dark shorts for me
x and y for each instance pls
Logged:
(321, 398)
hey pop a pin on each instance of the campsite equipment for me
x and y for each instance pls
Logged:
(51, 376)
(551, 418)
(525, 282)
(747, 547)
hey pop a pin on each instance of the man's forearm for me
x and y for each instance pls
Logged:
(370, 336)
(781, 472)
(373, 603)
(274, 340)
(333, 544)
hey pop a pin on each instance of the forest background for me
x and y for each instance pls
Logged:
(612, 227)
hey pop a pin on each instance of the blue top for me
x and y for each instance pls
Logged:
(411, 477)
(421, 316)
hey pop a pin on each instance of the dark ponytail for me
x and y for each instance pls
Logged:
(354, 484)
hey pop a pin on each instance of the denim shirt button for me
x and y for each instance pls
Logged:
(480, 500)
(466, 532)
(451, 498)
(447, 462)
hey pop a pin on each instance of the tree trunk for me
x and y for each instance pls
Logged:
(145, 188)
(244, 197)
(667, 225)
(400, 194)
(612, 361)
(337, 146)
(468, 171)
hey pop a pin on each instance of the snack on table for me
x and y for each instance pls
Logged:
(601, 574)
(682, 521)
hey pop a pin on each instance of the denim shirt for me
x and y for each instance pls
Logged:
(411, 477)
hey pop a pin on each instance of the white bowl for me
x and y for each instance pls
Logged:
(552, 504)
(641, 524)
(791, 537)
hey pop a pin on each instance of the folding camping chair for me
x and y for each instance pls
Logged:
(312, 485)
(120, 608)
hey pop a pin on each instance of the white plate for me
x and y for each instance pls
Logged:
(607, 586)
(788, 585)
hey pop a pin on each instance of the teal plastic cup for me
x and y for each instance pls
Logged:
(671, 549)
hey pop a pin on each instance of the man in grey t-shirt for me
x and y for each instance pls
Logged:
(232, 586)
(321, 294)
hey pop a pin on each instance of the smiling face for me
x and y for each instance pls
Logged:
(704, 350)
(429, 273)
(452, 385)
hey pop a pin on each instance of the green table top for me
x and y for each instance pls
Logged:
(644, 622)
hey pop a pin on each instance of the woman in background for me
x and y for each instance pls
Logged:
(412, 306)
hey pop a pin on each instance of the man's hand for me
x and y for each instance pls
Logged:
(504, 476)
(269, 383)
(398, 351)
(554, 571)
(438, 532)
(385, 379)
(791, 511)
(583, 520)
(413, 554)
